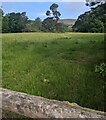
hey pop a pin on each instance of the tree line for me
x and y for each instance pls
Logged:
(19, 22)
(91, 21)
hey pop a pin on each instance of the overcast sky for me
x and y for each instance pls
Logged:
(68, 10)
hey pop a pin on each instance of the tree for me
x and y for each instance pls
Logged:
(1, 11)
(94, 3)
(51, 24)
(5, 25)
(38, 24)
(48, 25)
(91, 21)
(60, 27)
(33, 25)
(14, 22)
(1, 16)
(91, 3)
(56, 14)
(30, 26)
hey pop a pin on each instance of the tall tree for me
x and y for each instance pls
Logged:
(54, 12)
(52, 22)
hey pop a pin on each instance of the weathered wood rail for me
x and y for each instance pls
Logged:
(39, 107)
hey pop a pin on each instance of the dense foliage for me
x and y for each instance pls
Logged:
(92, 21)
(50, 25)
(19, 22)
(34, 25)
(14, 22)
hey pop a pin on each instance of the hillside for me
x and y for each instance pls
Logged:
(68, 22)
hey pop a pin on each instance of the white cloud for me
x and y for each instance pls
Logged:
(41, 14)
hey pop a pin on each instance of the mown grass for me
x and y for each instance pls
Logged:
(55, 65)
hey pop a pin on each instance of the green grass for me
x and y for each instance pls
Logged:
(55, 65)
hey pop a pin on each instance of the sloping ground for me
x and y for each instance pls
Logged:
(68, 22)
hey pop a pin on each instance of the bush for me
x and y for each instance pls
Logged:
(101, 69)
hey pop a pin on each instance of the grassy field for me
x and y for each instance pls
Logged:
(55, 65)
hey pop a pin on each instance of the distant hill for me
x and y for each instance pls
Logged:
(68, 22)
